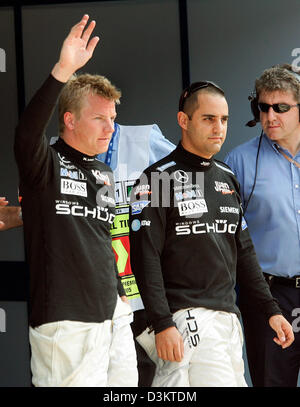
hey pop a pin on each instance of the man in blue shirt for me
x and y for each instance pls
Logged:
(268, 169)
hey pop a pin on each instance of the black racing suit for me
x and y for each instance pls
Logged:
(67, 209)
(189, 243)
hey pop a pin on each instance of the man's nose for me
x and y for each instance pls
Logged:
(219, 126)
(271, 114)
(110, 126)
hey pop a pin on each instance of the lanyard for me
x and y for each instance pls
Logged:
(110, 147)
(288, 158)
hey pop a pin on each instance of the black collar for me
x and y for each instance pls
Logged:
(191, 159)
(73, 154)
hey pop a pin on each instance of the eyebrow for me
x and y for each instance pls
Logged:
(213, 115)
(103, 115)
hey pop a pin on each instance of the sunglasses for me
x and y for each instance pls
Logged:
(277, 107)
(192, 89)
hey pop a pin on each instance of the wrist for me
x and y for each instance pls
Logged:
(61, 73)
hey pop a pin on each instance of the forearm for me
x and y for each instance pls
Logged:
(38, 112)
(145, 261)
(158, 311)
(31, 145)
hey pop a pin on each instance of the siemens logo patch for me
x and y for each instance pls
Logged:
(229, 209)
(70, 187)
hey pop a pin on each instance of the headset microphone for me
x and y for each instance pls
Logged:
(251, 123)
(254, 110)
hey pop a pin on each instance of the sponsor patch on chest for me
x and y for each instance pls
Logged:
(101, 177)
(192, 207)
(71, 187)
(229, 209)
(223, 187)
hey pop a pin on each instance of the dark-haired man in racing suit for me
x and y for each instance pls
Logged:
(189, 247)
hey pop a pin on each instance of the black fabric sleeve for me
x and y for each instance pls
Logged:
(31, 145)
(120, 287)
(147, 238)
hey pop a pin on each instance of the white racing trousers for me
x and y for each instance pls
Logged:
(212, 351)
(80, 354)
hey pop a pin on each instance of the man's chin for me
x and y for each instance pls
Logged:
(272, 135)
(216, 149)
(103, 148)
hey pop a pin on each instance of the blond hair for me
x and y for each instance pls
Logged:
(77, 88)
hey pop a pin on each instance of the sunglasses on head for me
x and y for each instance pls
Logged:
(277, 107)
(193, 88)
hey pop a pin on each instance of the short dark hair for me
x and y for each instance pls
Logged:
(188, 101)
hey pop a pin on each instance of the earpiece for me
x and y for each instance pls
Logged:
(254, 109)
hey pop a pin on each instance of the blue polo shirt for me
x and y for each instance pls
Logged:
(273, 213)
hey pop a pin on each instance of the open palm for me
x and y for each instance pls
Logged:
(77, 49)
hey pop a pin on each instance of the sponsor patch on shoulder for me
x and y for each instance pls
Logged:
(137, 207)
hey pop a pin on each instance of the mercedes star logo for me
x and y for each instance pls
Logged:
(181, 176)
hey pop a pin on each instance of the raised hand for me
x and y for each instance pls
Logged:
(76, 51)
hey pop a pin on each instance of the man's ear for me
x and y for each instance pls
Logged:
(182, 119)
(69, 119)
